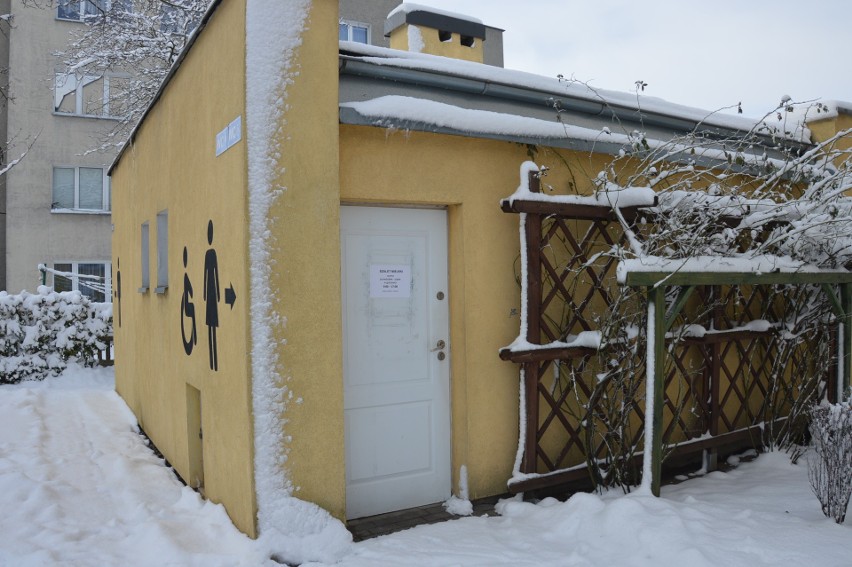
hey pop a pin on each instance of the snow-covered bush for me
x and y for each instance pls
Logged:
(40, 332)
(830, 467)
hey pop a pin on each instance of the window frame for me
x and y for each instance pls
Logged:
(145, 249)
(350, 24)
(75, 279)
(162, 252)
(106, 189)
(81, 81)
(83, 12)
(169, 19)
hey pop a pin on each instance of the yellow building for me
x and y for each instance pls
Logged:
(314, 276)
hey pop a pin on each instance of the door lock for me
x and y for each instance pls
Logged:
(440, 346)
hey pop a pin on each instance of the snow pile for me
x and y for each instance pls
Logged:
(296, 530)
(761, 514)
(41, 332)
(460, 505)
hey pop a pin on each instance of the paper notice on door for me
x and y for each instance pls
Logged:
(390, 280)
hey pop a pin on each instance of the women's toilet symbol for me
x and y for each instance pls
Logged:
(118, 289)
(211, 296)
(187, 311)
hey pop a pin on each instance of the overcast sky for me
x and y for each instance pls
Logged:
(708, 54)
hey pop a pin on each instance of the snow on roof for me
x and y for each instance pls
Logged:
(390, 109)
(396, 111)
(557, 86)
(811, 111)
(408, 7)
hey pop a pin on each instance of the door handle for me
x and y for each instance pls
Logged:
(440, 346)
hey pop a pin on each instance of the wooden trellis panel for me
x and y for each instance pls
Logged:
(718, 387)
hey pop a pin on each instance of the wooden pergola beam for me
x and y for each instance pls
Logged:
(674, 277)
(573, 211)
(542, 354)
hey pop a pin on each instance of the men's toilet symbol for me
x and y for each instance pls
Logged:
(187, 311)
(211, 296)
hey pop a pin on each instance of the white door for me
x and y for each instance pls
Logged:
(395, 358)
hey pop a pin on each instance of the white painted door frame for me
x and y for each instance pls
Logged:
(396, 358)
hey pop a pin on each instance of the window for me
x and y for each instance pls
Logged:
(79, 10)
(80, 189)
(90, 95)
(170, 19)
(162, 252)
(354, 31)
(124, 6)
(146, 259)
(90, 279)
(177, 18)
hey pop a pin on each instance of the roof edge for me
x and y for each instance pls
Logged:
(166, 80)
(434, 20)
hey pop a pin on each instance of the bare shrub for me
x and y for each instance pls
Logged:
(830, 467)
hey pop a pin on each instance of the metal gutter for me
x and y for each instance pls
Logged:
(356, 66)
(352, 117)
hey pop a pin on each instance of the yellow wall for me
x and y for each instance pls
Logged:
(321, 164)
(173, 166)
(822, 130)
(306, 278)
(412, 168)
(433, 45)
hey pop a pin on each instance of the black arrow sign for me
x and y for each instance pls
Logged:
(230, 296)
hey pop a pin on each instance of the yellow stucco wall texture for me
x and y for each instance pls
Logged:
(469, 176)
(430, 42)
(823, 129)
(306, 278)
(172, 167)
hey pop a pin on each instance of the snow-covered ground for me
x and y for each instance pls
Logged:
(78, 486)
